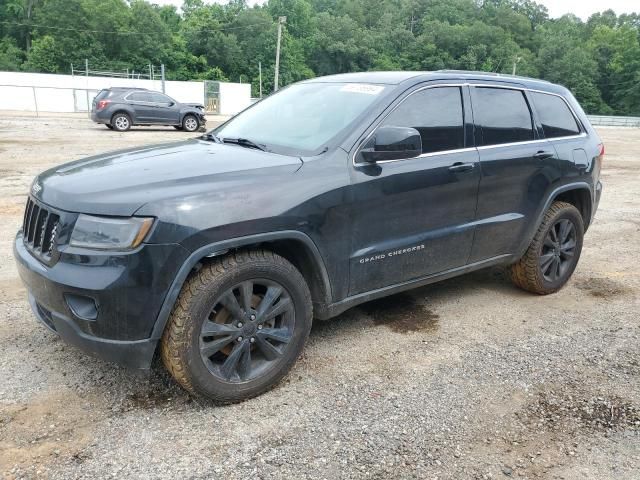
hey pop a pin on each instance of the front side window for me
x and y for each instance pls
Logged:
(555, 116)
(437, 114)
(302, 118)
(159, 98)
(502, 115)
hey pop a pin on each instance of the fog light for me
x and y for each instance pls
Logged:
(81, 306)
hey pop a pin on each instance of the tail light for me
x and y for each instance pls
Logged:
(103, 103)
(601, 154)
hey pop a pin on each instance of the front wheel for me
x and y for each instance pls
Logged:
(554, 252)
(190, 123)
(238, 326)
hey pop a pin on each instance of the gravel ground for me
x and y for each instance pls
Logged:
(469, 378)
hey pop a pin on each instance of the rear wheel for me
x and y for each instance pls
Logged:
(121, 122)
(554, 252)
(190, 123)
(238, 326)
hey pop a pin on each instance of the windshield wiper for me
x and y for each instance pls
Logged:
(244, 142)
(212, 137)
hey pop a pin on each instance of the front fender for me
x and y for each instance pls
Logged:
(222, 247)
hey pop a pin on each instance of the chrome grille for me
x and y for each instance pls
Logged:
(40, 230)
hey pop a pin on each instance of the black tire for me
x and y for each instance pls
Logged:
(190, 123)
(121, 122)
(203, 336)
(109, 126)
(553, 253)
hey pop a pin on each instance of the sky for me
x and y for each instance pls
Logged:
(557, 8)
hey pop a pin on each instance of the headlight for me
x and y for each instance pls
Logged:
(104, 233)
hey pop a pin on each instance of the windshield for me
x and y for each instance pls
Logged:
(302, 117)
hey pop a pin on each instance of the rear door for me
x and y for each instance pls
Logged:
(414, 217)
(517, 165)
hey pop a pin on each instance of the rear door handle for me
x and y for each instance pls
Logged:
(461, 167)
(542, 154)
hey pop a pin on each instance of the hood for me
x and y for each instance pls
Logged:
(119, 183)
(195, 105)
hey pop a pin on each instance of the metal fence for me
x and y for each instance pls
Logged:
(613, 121)
(49, 99)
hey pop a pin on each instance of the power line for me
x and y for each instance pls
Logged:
(129, 32)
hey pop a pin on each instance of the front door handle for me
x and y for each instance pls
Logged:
(461, 167)
(542, 154)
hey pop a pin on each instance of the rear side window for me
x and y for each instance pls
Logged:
(103, 94)
(437, 114)
(555, 116)
(502, 115)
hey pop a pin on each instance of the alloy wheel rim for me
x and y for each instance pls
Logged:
(190, 124)
(248, 331)
(122, 123)
(558, 250)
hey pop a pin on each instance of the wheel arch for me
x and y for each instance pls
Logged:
(293, 245)
(129, 113)
(578, 194)
(579, 198)
(184, 113)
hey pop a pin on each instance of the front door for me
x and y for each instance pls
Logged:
(165, 110)
(414, 217)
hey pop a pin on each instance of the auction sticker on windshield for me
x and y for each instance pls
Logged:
(362, 88)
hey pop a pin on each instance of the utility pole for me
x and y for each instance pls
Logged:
(515, 64)
(281, 21)
(260, 76)
(162, 71)
(86, 66)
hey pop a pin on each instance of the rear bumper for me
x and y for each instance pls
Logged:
(100, 117)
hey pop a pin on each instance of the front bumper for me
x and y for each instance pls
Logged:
(124, 291)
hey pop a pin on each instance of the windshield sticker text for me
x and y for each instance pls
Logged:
(362, 88)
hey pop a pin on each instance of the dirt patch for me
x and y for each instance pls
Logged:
(601, 287)
(11, 209)
(50, 426)
(564, 411)
(401, 313)
(12, 290)
(149, 400)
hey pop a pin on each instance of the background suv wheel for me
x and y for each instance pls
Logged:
(121, 122)
(190, 123)
(238, 326)
(553, 254)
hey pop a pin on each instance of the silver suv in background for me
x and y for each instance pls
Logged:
(120, 108)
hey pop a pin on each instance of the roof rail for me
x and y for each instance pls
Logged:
(490, 74)
(126, 88)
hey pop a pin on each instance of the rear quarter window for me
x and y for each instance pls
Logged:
(555, 116)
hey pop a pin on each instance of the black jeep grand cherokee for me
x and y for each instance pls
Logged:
(217, 252)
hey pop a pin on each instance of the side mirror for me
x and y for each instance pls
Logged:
(393, 143)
